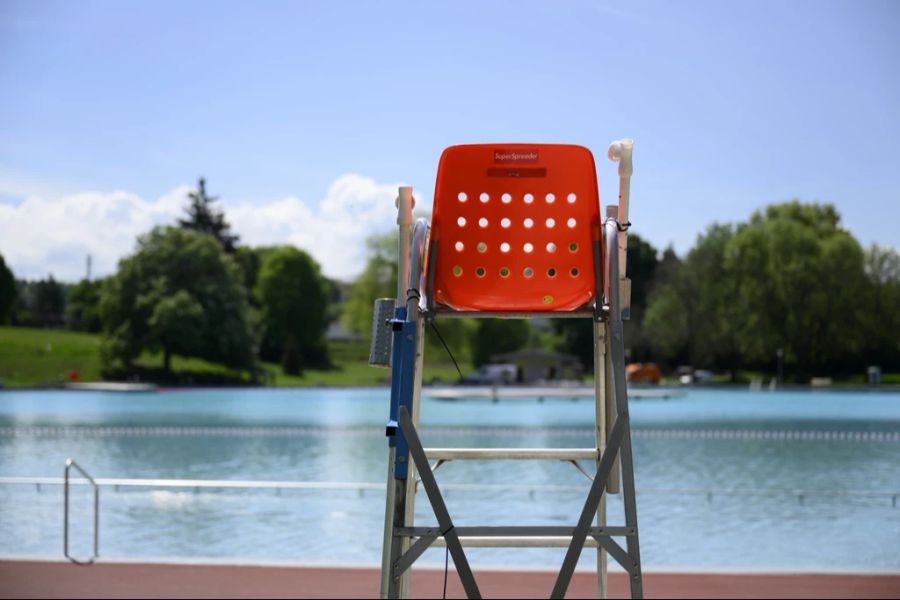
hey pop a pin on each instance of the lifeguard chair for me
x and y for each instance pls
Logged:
(517, 233)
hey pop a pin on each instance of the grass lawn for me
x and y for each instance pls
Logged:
(45, 356)
(37, 357)
(41, 357)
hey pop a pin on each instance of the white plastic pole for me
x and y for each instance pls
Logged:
(620, 151)
(405, 203)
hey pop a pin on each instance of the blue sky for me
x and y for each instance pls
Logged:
(305, 116)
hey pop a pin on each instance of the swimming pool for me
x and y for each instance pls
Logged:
(725, 478)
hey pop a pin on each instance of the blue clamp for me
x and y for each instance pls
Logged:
(404, 364)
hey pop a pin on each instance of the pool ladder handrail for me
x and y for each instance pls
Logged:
(96, 554)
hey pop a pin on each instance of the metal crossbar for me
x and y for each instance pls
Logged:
(513, 530)
(519, 541)
(565, 454)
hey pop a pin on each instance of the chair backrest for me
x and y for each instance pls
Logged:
(514, 226)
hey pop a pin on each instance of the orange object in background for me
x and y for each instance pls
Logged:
(643, 373)
(73, 375)
(515, 226)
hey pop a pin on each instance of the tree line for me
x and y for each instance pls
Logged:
(788, 284)
(190, 290)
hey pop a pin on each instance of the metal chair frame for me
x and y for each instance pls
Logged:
(404, 543)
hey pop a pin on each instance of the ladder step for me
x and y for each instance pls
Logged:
(512, 453)
(520, 531)
(558, 541)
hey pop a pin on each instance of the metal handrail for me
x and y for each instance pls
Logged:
(69, 464)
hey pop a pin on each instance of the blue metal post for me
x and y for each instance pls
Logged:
(402, 383)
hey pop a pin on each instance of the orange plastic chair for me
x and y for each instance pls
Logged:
(509, 228)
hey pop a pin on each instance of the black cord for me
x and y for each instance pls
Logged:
(447, 348)
(446, 568)
(458, 370)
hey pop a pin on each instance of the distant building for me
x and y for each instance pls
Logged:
(536, 365)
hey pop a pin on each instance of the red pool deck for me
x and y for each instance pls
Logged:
(56, 579)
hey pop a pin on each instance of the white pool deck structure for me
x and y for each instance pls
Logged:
(574, 392)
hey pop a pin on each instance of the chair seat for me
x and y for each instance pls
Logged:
(514, 226)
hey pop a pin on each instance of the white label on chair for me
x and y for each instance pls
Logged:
(508, 155)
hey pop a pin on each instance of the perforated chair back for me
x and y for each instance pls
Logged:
(513, 228)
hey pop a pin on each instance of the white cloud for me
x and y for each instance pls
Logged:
(334, 232)
(40, 235)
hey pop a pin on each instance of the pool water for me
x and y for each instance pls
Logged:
(725, 478)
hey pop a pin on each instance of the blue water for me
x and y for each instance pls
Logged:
(843, 448)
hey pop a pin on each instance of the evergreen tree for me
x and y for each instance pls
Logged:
(206, 218)
(83, 306)
(7, 292)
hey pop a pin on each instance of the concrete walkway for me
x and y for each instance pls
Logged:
(51, 579)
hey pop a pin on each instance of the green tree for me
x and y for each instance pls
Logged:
(881, 316)
(206, 218)
(883, 266)
(790, 278)
(179, 294)
(293, 296)
(7, 292)
(666, 322)
(690, 317)
(799, 276)
(641, 269)
(250, 260)
(717, 307)
(20, 315)
(497, 336)
(577, 335)
(83, 306)
(40, 303)
(378, 280)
